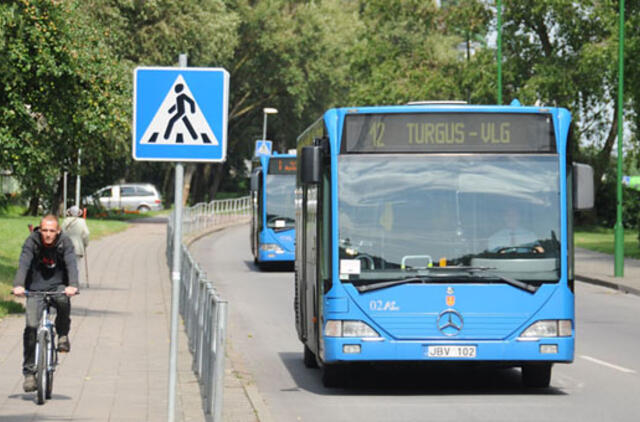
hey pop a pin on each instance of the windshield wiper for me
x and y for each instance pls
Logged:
(394, 282)
(527, 287)
(468, 275)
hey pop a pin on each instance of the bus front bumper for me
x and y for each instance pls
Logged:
(272, 256)
(344, 349)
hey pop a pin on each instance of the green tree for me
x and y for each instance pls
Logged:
(564, 53)
(154, 33)
(470, 21)
(291, 55)
(403, 55)
(60, 90)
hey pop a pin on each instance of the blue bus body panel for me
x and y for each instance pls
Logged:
(406, 316)
(285, 239)
(493, 317)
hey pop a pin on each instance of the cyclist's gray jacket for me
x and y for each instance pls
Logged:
(46, 268)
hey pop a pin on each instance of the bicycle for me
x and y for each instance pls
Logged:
(46, 353)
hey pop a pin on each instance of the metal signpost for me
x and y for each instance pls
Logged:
(179, 114)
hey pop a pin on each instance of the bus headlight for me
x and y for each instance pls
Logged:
(548, 328)
(340, 328)
(271, 247)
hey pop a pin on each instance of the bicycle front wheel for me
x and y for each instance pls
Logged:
(49, 384)
(42, 375)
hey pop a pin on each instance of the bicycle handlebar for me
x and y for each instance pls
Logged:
(40, 293)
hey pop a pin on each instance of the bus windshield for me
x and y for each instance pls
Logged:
(281, 214)
(407, 215)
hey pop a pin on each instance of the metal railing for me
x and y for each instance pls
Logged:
(203, 312)
(215, 213)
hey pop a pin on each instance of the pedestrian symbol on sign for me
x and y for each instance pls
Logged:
(187, 125)
(179, 105)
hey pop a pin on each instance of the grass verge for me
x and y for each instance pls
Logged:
(601, 239)
(13, 232)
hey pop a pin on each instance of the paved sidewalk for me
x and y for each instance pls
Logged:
(597, 268)
(118, 366)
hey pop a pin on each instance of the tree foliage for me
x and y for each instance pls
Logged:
(402, 55)
(60, 89)
(65, 82)
(565, 53)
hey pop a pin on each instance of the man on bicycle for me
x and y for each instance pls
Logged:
(47, 264)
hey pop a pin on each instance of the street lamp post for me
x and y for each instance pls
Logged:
(267, 110)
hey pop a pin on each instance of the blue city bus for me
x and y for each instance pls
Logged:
(273, 182)
(437, 232)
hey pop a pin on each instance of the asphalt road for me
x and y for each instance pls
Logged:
(603, 384)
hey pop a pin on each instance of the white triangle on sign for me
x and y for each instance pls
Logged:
(264, 149)
(179, 120)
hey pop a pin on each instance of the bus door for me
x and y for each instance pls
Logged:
(298, 267)
(256, 214)
(313, 234)
(310, 208)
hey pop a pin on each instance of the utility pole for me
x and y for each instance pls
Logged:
(619, 229)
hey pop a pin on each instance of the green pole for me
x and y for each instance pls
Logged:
(499, 9)
(619, 230)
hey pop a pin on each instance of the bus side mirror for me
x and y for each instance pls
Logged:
(583, 190)
(311, 165)
(255, 181)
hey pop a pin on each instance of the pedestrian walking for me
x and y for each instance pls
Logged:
(76, 228)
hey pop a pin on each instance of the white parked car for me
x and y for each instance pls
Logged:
(142, 197)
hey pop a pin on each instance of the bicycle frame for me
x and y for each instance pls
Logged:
(46, 329)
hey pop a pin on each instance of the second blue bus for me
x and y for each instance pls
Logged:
(273, 181)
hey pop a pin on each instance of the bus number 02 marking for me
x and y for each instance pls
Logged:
(377, 133)
(379, 305)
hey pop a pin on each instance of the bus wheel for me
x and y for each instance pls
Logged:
(332, 376)
(536, 375)
(309, 358)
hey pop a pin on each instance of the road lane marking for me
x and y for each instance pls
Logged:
(609, 365)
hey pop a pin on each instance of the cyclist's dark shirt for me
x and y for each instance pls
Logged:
(46, 268)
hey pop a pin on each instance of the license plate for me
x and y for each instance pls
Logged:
(444, 351)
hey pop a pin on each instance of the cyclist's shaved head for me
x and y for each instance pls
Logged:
(49, 217)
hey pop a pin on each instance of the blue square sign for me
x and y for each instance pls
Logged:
(180, 114)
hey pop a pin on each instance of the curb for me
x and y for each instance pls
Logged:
(251, 391)
(608, 284)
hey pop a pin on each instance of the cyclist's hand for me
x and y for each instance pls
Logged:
(18, 291)
(70, 291)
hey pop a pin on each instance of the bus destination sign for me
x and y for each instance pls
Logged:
(282, 165)
(443, 132)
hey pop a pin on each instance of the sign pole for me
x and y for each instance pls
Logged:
(175, 279)
(618, 257)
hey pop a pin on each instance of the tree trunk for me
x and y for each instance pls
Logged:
(218, 172)
(56, 199)
(32, 209)
(208, 177)
(604, 156)
(188, 175)
(197, 189)
(204, 181)
(167, 185)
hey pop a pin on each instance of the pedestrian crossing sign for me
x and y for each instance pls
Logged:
(180, 114)
(263, 148)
